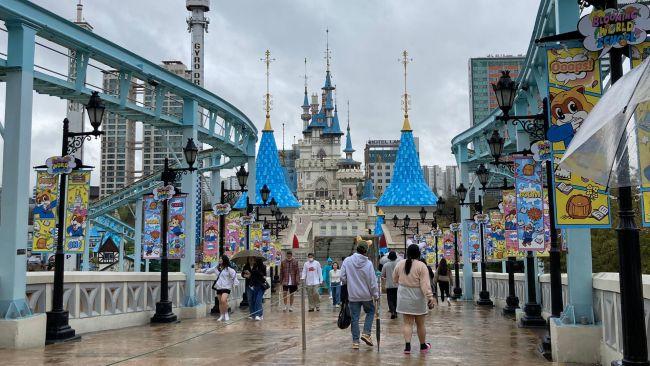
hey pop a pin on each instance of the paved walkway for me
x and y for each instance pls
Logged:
(460, 334)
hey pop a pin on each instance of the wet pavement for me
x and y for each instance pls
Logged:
(460, 334)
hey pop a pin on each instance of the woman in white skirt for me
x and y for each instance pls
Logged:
(414, 296)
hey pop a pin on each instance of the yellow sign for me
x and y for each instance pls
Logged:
(76, 209)
(46, 204)
(574, 85)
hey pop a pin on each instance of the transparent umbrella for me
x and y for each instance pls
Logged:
(599, 150)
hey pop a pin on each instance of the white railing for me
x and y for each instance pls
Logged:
(109, 300)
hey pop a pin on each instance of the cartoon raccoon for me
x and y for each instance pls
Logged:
(569, 109)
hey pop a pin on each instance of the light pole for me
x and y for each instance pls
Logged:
(537, 127)
(169, 175)
(57, 327)
(406, 222)
(436, 233)
(483, 175)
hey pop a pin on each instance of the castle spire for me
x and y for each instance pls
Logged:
(327, 49)
(267, 98)
(349, 150)
(406, 98)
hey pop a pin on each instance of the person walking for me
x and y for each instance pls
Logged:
(358, 274)
(335, 284)
(326, 277)
(225, 282)
(312, 277)
(290, 279)
(443, 278)
(391, 287)
(255, 271)
(414, 296)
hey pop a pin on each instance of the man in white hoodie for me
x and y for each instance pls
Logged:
(312, 278)
(359, 275)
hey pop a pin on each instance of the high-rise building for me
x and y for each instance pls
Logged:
(288, 163)
(435, 179)
(483, 71)
(157, 143)
(450, 180)
(118, 142)
(379, 159)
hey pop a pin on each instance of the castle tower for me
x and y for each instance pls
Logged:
(305, 116)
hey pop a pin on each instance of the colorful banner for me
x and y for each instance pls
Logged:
(210, 237)
(151, 231)
(176, 226)
(510, 222)
(235, 235)
(639, 53)
(76, 211)
(256, 238)
(44, 212)
(448, 245)
(497, 236)
(473, 241)
(530, 205)
(574, 87)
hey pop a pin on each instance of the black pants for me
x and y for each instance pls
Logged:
(391, 294)
(444, 289)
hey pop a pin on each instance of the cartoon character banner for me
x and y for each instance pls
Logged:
(473, 241)
(235, 234)
(44, 212)
(639, 53)
(256, 237)
(530, 206)
(448, 245)
(574, 87)
(176, 226)
(210, 237)
(510, 221)
(497, 236)
(76, 211)
(151, 231)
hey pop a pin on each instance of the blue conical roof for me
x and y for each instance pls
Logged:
(348, 142)
(335, 128)
(329, 102)
(328, 81)
(378, 222)
(407, 188)
(305, 101)
(368, 191)
(268, 171)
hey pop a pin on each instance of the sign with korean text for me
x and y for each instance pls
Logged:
(176, 226)
(151, 230)
(235, 234)
(210, 236)
(574, 87)
(44, 212)
(448, 245)
(473, 241)
(497, 235)
(509, 205)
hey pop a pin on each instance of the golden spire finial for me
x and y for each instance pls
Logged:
(267, 100)
(406, 98)
(380, 212)
(328, 54)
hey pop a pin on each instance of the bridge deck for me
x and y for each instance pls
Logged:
(460, 335)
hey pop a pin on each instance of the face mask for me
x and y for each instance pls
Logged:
(311, 259)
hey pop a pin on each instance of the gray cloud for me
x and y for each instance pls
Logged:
(366, 38)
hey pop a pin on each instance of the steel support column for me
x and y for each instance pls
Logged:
(189, 186)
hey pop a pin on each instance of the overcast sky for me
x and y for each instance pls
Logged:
(366, 39)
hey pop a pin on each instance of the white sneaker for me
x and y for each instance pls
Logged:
(227, 318)
(290, 308)
(286, 308)
(448, 302)
(250, 317)
(220, 319)
(258, 318)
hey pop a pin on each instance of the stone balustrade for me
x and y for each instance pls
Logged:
(606, 304)
(332, 206)
(110, 300)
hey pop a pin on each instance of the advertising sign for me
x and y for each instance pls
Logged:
(60, 164)
(510, 222)
(497, 235)
(235, 234)
(448, 245)
(76, 211)
(44, 212)
(473, 240)
(176, 226)
(210, 236)
(151, 231)
(574, 87)
(607, 28)
(530, 205)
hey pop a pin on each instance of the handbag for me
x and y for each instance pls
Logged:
(345, 319)
(214, 284)
(265, 285)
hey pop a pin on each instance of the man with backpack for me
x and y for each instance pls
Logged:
(358, 274)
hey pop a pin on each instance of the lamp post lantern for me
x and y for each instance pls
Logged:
(169, 175)
(57, 326)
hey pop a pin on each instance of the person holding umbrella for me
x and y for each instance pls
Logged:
(255, 272)
(414, 295)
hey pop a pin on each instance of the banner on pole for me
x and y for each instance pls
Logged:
(510, 223)
(44, 212)
(530, 206)
(448, 245)
(176, 226)
(235, 235)
(497, 236)
(473, 241)
(210, 237)
(151, 231)
(76, 211)
(574, 87)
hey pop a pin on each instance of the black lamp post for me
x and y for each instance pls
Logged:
(406, 222)
(57, 327)
(169, 176)
(536, 126)
(483, 176)
(454, 227)
(436, 233)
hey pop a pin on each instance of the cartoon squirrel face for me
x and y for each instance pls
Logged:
(570, 106)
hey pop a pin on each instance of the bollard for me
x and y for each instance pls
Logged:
(302, 316)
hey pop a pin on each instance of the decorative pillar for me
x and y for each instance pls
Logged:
(468, 292)
(189, 186)
(580, 282)
(16, 170)
(85, 257)
(120, 254)
(137, 245)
